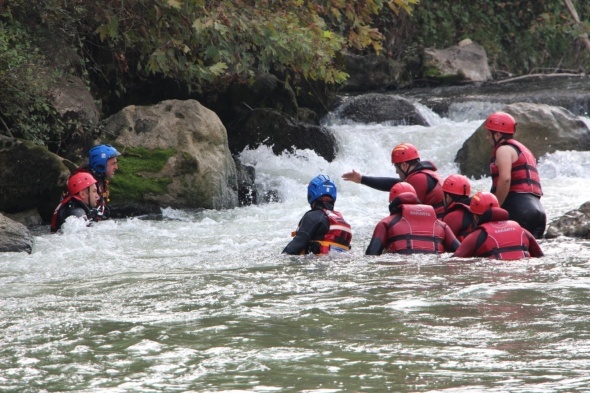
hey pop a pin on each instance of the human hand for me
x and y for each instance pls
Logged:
(353, 176)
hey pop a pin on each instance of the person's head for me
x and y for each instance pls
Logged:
(404, 156)
(455, 187)
(399, 189)
(103, 159)
(322, 188)
(482, 202)
(83, 186)
(500, 125)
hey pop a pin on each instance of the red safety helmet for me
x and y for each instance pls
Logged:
(501, 122)
(400, 188)
(80, 181)
(404, 152)
(457, 185)
(483, 201)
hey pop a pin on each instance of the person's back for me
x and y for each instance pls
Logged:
(457, 216)
(411, 227)
(321, 230)
(496, 236)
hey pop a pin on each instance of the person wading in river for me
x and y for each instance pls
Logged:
(515, 179)
(81, 200)
(102, 164)
(322, 229)
(457, 215)
(496, 236)
(411, 228)
(421, 175)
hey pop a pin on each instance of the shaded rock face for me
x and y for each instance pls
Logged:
(575, 223)
(371, 72)
(272, 128)
(265, 91)
(31, 177)
(198, 171)
(73, 101)
(542, 128)
(381, 108)
(14, 236)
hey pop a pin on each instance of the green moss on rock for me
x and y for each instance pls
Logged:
(133, 180)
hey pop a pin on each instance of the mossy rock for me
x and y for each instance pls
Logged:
(138, 174)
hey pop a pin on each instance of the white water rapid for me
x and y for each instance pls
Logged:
(204, 301)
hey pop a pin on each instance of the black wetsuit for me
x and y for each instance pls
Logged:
(527, 210)
(313, 226)
(73, 207)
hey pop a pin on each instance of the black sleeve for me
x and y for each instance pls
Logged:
(375, 247)
(313, 225)
(380, 183)
(72, 211)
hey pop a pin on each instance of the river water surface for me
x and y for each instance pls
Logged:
(203, 301)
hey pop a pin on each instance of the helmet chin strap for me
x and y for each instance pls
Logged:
(406, 171)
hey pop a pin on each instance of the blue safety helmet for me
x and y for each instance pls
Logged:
(99, 155)
(319, 186)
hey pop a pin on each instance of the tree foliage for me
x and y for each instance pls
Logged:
(24, 103)
(203, 45)
(519, 36)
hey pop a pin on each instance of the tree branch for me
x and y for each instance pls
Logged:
(572, 10)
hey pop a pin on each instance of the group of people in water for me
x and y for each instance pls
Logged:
(432, 216)
(88, 188)
(426, 214)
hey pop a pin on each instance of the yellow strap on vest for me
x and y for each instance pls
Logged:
(326, 243)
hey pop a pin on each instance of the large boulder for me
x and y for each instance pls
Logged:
(14, 236)
(263, 91)
(31, 177)
(542, 128)
(283, 133)
(175, 154)
(381, 108)
(575, 223)
(371, 72)
(466, 61)
(76, 106)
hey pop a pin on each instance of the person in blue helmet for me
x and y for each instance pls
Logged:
(322, 229)
(102, 165)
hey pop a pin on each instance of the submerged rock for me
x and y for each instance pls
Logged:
(14, 236)
(575, 223)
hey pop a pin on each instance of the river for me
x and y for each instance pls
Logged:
(203, 301)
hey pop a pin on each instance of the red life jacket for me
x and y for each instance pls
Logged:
(415, 230)
(467, 223)
(435, 196)
(338, 236)
(524, 177)
(506, 240)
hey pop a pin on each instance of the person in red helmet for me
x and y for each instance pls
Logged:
(82, 198)
(102, 165)
(411, 227)
(456, 190)
(496, 236)
(421, 175)
(515, 179)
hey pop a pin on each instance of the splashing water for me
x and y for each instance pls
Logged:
(204, 301)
